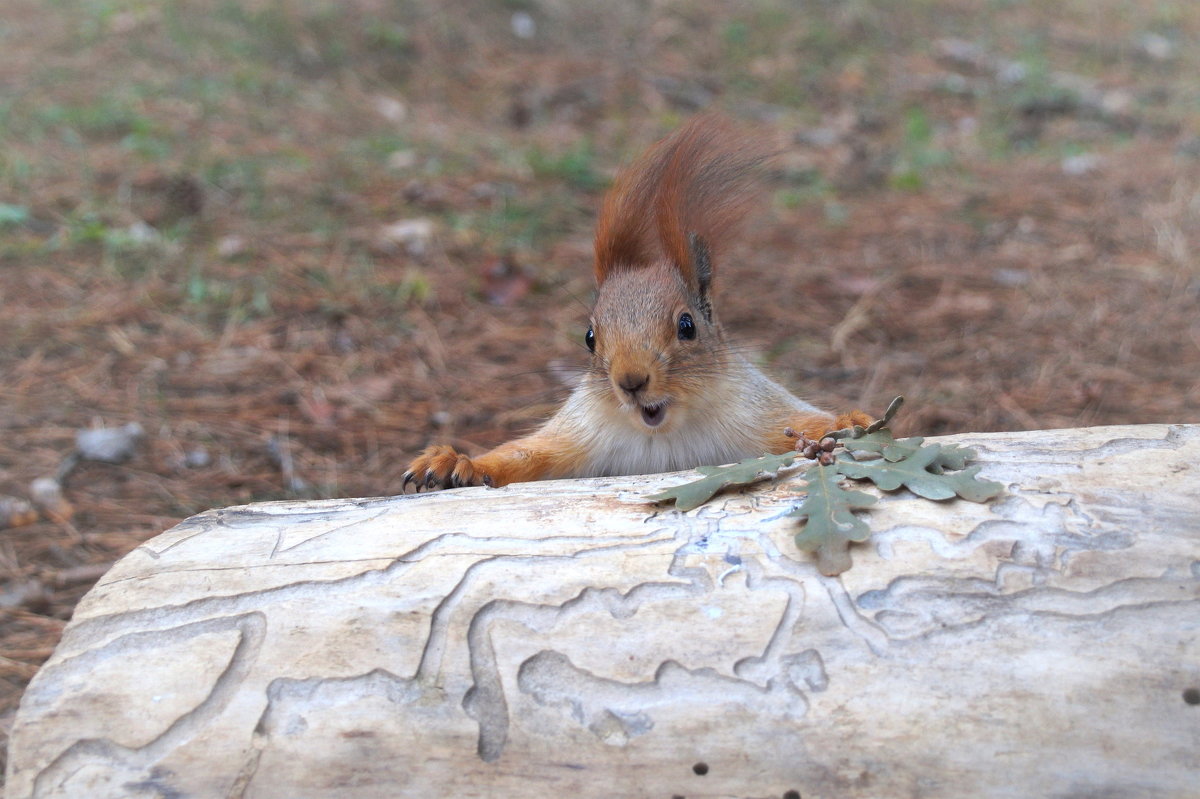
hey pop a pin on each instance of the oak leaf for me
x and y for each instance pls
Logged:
(694, 494)
(923, 473)
(881, 442)
(830, 525)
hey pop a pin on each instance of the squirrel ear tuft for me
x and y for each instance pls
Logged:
(698, 182)
(703, 271)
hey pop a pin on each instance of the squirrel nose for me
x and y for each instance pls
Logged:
(632, 382)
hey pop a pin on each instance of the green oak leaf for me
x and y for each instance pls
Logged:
(933, 471)
(914, 473)
(830, 525)
(952, 457)
(882, 443)
(694, 494)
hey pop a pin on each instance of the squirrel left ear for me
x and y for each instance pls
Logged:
(702, 269)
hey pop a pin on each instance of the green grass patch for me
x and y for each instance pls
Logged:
(574, 166)
(517, 223)
(919, 152)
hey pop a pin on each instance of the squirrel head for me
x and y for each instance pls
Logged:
(653, 332)
(654, 337)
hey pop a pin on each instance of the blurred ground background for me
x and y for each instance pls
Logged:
(298, 241)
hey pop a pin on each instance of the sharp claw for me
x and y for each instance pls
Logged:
(431, 479)
(455, 482)
(408, 478)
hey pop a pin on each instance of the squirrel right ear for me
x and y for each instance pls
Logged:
(702, 269)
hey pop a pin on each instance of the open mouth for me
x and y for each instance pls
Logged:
(653, 415)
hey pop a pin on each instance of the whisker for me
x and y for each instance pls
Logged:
(585, 306)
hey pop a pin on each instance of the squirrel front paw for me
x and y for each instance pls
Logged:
(816, 426)
(851, 419)
(440, 466)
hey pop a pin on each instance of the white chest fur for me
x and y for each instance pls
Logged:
(724, 426)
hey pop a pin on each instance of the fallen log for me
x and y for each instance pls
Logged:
(568, 638)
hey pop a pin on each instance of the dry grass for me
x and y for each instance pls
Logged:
(193, 198)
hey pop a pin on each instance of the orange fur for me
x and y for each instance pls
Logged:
(698, 180)
(535, 457)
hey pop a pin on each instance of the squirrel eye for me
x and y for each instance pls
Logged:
(589, 339)
(687, 328)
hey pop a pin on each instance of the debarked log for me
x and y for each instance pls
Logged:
(569, 639)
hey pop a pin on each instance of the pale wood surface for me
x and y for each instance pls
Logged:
(567, 639)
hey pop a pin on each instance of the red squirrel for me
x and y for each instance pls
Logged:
(664, 391)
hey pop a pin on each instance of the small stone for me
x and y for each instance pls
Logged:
(142, 234)
(1117, 102)
(1078, 165)
(402, 160)
(16, 512)
(47, 494)
(391, 109)
(197, 458)
(1158, 47)
(231, 246)
(109, 444)
(1010, 277)
(413, 234)
(523, 25)
(1011, 73)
